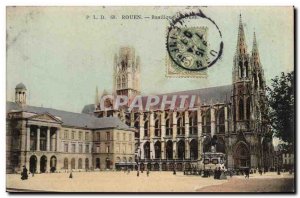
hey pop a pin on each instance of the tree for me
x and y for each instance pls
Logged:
(281, 107)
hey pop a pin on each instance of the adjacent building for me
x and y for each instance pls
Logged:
(45, 139)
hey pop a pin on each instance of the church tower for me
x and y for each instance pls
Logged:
(241, 77)
(127, 73)
(20, 94)
(259, 89)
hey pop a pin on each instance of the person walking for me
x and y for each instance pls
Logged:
(148, 172)
(71, 175)
(215, 173)
(24, 174)
(230, 173)
(247, 172)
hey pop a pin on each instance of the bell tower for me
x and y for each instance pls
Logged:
(241, 77)
(258, 88)
(20, 94)
(127, 73)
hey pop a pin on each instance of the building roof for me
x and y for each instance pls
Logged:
(88, 109)
(71, 119)
(20, 86)
(210, 95)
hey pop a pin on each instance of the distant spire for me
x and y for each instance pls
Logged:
(255, 47)
(97, 97)
(241, 42)
(105, 93)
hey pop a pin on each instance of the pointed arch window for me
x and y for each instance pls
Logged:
(255, 80)
(118, 83)
(248, 105)
(241, 69)
(180, 126)
(193, 123)
(146, 128)
(206, 121)
(221, 120)
(124, 82)
(169, 129)
(241, 109)
(157, 128)
(260, 82)
(246, 69)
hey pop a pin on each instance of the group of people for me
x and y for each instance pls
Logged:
(217, 173)
(138, 172)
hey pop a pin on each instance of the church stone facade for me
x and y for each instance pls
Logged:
(235, 114)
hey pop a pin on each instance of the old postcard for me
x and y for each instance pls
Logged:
(150, 99)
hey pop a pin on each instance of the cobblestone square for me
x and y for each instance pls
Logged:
(156, 182)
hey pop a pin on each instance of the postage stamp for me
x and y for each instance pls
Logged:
(194, 43)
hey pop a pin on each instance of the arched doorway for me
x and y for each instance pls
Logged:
(66, 163)
(73, 163)
(156, 167)
(157, 148)
(79, 163)
(97, 163)
(194, 149)
(180, 150)
(32, 164)
(147, 150)
(53, 161)
(242, 156)
(169, 150)
(87, 163)
(43, 164)
(107, 163)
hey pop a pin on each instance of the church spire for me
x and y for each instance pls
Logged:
(97, 97)
(255, 53)
(241, 42)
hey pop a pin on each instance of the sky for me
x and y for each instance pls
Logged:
(62, 53)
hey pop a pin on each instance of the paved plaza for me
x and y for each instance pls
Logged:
(156, 182)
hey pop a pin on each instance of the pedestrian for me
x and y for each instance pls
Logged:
(24, 174)
(278, 171)
(215, 173)
(148, 172)
(247, 173)
(138, 174)
(71, 175)
(174, 171)
(219, 173)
